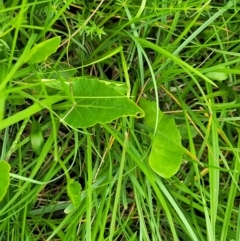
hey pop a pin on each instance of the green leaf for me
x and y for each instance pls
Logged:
(4, 178)
(121, 87)
(62, 70)
(36, 137)
(69, 208)
(73, 191)
(56, 84)
(96, 102)
(166, 153)
(19, 101)
(184, 131)
(219, 76)
(134, 237)
(43, 50)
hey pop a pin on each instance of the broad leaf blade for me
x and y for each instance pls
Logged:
(4, 178)
(166, 153)
(120, 87)
(97, 102)
(219, 76)
(57, 84)
(184, 131)
(43, 50)
(73, 190)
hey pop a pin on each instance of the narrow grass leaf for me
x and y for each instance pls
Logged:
(4, 178)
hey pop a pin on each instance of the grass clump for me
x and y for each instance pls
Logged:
(183, 55)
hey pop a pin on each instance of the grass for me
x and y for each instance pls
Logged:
(166, 52)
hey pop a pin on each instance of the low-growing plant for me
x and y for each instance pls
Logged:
(119, 120)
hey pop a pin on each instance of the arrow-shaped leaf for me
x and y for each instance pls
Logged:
(97, 102)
